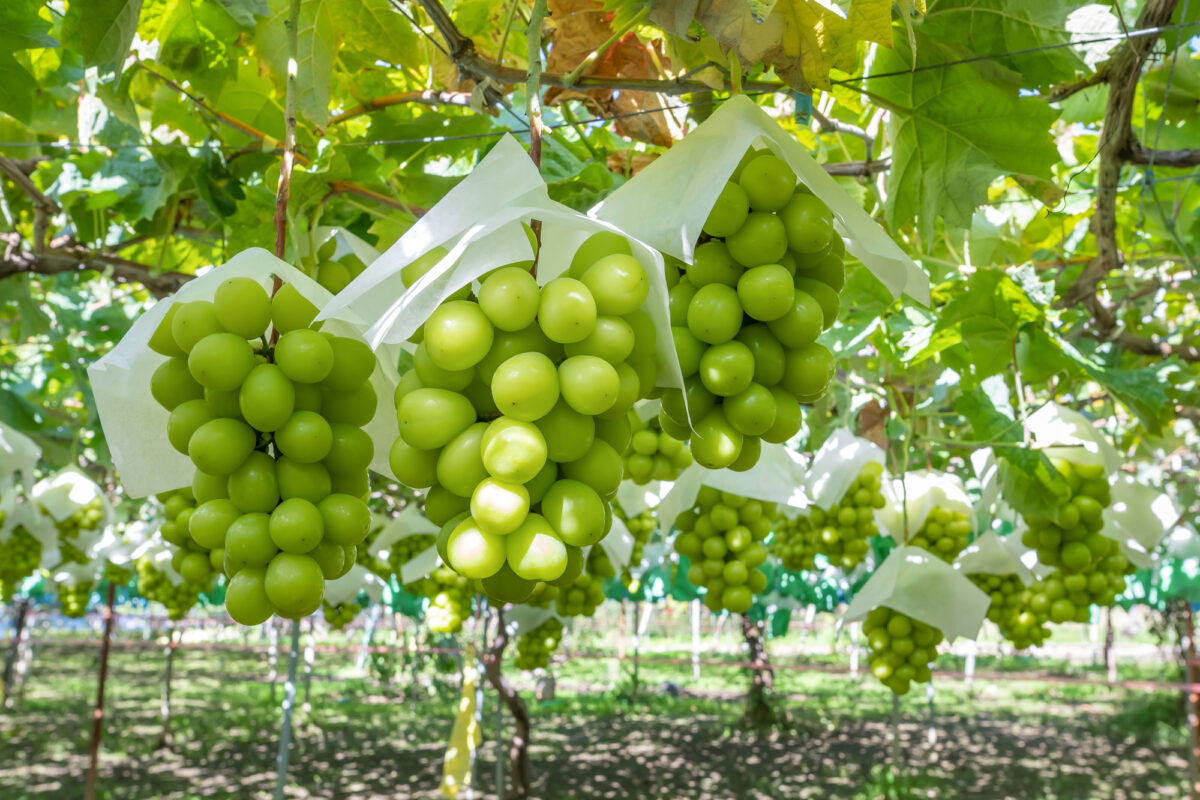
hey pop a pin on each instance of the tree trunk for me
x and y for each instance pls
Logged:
(14, 645)
(759, 713)
(518, 750)
(89, 790)
(164, 737)
(1110, 656)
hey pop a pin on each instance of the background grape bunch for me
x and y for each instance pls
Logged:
(406, 549)
(449, 599)
(722, 535)
(339, 616)
(535, 648)
(273, 427)
(582, 596)
(514, 415)
(1089, 567)
(902, 648)
(198, 565)
(332, 271)
(1011, 609)
(73, 598)
(945, 533)
(842, 533)
(20, 555)
(154, 585)
(746, 314)
(641, 527)
(654, 454)
(87, 517)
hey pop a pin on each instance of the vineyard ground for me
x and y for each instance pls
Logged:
(361, 738)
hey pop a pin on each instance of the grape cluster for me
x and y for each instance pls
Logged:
(116, 575)
(543, 596)
(722, 535)
(87, 517)
(1012, 609)
(641, 527)
(408, 548)
(945, 534)
(902, 648)
(340, 616)
(746, 315)
(367, 560)
(155, 586)
(535, 648)
(275, 433)
(581, 596)
(196, 563)
(20, 555)
(842, 533)
(514, 415)
(1089, 567)
(653, 454)
(334, 273)
(74, 598)
(449, 599)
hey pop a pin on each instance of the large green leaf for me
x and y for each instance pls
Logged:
(101, 30)
(1003, 26)
(318, 37)
(954, 130)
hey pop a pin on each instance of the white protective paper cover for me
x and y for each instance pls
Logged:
(917, 583)
(18, 454)
(777, 478)
(482, 236)
(836, 465)
(1139, 517)
(666, 204)
(1062, 432)
(346, 588)
(135, 425)
(925, 490)
(991, 555)
(409, 522)
(347, 243)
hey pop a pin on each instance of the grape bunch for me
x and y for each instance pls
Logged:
(1012, 609)
(842, 533)
(654, 454)
(535, 648)
(334, 273)
(543, 596)
(945, 534)
(449, 599)
(341, 615)
(74, 598)
(745, 316)
(87, 517)
(20, 555)
(155, 586)
(580, 597)
(367, 560)
(274, 430)
(408, 548)
(198, 565)
(116, 574)
(722, 536)
(1089, 567)
(514, 415)
(641, 526)
(902, 648)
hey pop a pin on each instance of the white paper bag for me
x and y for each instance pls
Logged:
(837, 465)
(347, 244)
(1062, 432)
(920, 492)
(346, 588)
(409, 522)
(917, 583)
(666, 204)
(67, 491)
(521, 619)
(990, 555)
(18, 454)
(776, 478)
(1139, 517)
(135, 425)
(481, 237)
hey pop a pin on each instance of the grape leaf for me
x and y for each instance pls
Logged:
(319, 34)
(245, 11)
(101, 31)
(954, 130)
(871, 20)
(1000, 26)
(21, 28)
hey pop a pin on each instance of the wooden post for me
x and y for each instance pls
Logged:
(1110, 656)
(969, 669)
(518, 749)
(854, 649)
(289, 703)
(309, 656)
(759, 713)
(895, 733)
(272, 655)
(21, 612)
(164, 736)
(89, 790)
(368, 636)
(1193, 709)
(695, 609)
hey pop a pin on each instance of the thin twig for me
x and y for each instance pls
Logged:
(284, 191)
(427, 97)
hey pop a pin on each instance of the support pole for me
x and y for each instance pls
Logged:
(14, 646)
(368, 636)
(969, 667)
(289, 703)
(272, 655)
(309, 657)
(854, 649)
(1193, 709)
(1110, 655)
(164, 736)
(89, 791)
(695, 614)
(895, 734)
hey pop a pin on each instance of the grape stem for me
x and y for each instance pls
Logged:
(533, 107)
(288, 159)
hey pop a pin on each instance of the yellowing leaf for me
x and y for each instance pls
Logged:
(871, 20)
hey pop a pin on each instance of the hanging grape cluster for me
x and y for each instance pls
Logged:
(641, 527)
(20, 555)
(154, 585)
(722, 535)
(274, 431)
(535, 648)
(746, 315)
(73, 598)
(514, 415)
(582, 596)
(197, 564)
(449, 599)
(341, 615)
(841, 534)
(1089, 567)
(1012, 609)
(334, 273)
(902, 648)
(406, 549)
(85, 518)
(945, 533)
(654, 454)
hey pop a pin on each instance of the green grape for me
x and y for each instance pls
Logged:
(944, 533)
(722, 536)
(221, 361)
(75, 598)
(304, 355)
(338, 617)
(449, 599)
(901, 648)
(243, 307)
(192, 322)
(509, 297)
(768, 182)
(653, 453)
(1012, 609)
(535, 648)
(20, 555)
(841, 534)
(408, 548)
